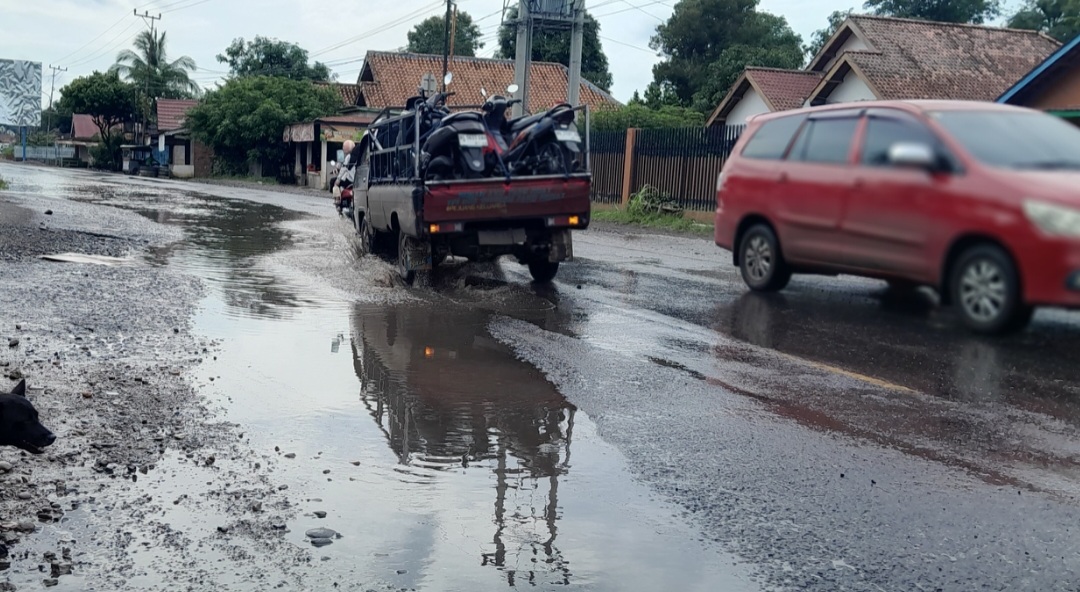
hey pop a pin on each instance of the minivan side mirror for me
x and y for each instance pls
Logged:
(913, 155)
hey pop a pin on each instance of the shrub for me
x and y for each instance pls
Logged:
(651, 201)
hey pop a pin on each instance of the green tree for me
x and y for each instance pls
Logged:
(639, 116)
(243, 119)
(949, 11)
(819, 38)
(779, 47)
(1058, 18)
(264, 56)
(661, 94)
(109, 102)
(150, 70)
(550, 45)
(706, 43)
(430, 34)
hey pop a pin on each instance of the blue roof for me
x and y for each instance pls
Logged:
(1034, 75)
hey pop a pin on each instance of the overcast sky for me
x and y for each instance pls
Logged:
(85, 35)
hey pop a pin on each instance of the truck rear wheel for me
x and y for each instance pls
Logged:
(543, 271)
(407, 275)
(369, 241)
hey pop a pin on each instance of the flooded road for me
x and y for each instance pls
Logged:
(642, 424)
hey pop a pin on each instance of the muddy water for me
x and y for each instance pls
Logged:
(444, 462)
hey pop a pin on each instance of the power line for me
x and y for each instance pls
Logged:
(632, 7)
(637, 47)
(93, 56)
(186, 6)
(399, 21)
(87, 44)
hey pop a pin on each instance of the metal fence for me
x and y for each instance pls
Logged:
(682, 162)
(45, 152)
(607, 155)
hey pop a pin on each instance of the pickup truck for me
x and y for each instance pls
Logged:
(418, 223)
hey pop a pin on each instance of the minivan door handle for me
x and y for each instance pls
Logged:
(783, 177)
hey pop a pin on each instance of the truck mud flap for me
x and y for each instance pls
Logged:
(562, 247)
(417, 255)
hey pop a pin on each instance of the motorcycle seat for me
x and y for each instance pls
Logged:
(516, 125)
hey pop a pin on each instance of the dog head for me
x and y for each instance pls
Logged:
(19, 425)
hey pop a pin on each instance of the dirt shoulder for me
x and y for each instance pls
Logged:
(110, 362)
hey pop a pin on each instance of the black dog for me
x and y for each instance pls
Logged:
(19, 425)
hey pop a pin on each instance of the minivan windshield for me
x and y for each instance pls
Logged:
(1016, 140)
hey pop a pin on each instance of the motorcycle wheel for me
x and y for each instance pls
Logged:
(552, 160)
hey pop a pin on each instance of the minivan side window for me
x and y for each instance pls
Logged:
(883, 132)
(771, 140)
(826, 141)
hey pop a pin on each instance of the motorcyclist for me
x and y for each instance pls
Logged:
(345, 173)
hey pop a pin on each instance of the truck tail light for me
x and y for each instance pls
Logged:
(445, 227)
(564, 221)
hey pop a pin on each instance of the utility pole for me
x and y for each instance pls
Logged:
(446, 43)
(522, 57)
(453, 32)
(149, 20)
(577, 36)
(55, 69)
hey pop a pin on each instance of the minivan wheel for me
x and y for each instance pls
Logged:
(986, 290)
(761, 262)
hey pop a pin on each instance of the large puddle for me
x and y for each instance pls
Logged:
(443, 461)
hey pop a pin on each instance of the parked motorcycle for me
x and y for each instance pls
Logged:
(544, 144)
(456, 147)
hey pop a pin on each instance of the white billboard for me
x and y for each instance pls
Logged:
(20, 93)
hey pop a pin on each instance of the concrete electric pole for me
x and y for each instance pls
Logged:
(147, 18)
(52, 89)
(558, 15)
(577, 37)
(446, 43)
(522, 57)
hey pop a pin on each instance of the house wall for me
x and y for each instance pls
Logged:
(850, 90)
(854, 43)
(750, 105)
(1063, 93)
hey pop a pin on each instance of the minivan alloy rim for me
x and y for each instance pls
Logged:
(982, 291)
(758, 258)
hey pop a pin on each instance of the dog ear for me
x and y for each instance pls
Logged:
(20, 389)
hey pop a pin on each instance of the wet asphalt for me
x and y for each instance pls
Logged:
(644, 423)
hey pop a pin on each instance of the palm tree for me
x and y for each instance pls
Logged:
(151, 72)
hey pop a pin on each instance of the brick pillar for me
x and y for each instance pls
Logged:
(628, 164)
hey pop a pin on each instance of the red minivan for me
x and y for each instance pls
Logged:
(978, 200)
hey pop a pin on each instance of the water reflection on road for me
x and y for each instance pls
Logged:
(447, 396)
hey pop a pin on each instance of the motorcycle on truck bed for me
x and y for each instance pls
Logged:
(417, 217)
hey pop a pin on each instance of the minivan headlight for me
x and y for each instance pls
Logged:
(1053, 219)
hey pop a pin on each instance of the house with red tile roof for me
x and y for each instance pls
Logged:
(1052, 86)
(884, 58)
(349, 93)
(764, 90)
(186, 157)
(388, 80)
(84, 135)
